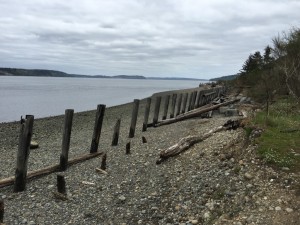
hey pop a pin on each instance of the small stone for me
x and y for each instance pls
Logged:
(194, 221)
(33, 145)
(122, 198)
(248, 176)
(289, 210)
(277, 208)
(249, 186)
(250, 219)
(50, 186)
(222, 157)
(285, 169)
(206, 215)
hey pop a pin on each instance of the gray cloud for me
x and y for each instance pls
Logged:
(190, 38)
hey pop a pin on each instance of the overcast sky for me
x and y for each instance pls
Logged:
(172, 38)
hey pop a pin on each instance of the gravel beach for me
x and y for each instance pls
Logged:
(218, 181)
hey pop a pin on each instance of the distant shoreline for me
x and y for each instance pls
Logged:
(55, 73)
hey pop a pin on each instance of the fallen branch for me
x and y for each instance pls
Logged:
(49, 169)
(190, 140)
(194, 113)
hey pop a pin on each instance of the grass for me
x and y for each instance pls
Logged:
(281, 137)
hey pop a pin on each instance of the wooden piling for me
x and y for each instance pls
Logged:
(156, 110)
(144, 140)
(135, 110)
(97, 128)
(23, 154)
(185, 97)
(103, 162)
(193, 100)
(190, 101)
(61, 184)
(116, 133)
(146, 115)
(197, 99)
(1, 211)
(66, 139)
(173, 104)
(178, 105)
(166, 107)
(128, 148)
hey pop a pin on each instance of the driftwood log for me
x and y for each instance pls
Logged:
(194, 113)
(190, 140)
(50, 169)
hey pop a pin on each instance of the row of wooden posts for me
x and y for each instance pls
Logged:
(180, 103)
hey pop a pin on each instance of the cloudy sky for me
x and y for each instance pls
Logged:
(172, 38)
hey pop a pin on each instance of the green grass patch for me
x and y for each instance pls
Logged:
(281, 137)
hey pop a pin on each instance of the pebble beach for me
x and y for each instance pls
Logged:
(217, 181)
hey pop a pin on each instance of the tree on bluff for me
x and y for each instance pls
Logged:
(287, 55)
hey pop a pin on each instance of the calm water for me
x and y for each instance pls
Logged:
(47, 96)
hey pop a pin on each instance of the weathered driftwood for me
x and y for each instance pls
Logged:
(194, 113)
(50, 169)
(190, 140)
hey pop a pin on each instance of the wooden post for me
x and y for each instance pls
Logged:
(193, 100)
(190, 101)
(66, 139)
(128, 148)
(23, 154)
(103, 162)
(166, 107)
(61, 184)
(201, 98)
(115, 139)
(135, 110)
(144, 140)
(146, 116)
(1, 211)
(97, 128)
(178, 105)
(173, 104)
(156, 110)
(185, 97)
(197, 99)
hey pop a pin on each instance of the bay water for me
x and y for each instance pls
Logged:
(50, 96)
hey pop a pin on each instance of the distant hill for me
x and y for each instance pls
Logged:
(173, 78)
(25, 72)
(229, 77)
(55, 73)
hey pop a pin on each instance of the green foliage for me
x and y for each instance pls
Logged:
(280, 140)
(275, 73)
